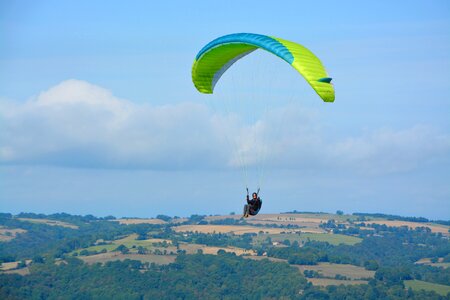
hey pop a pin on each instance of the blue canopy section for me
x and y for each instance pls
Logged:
(262, 41)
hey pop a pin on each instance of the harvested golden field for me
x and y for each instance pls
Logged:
(152, 245)
(131, 240)
(8, 266)
(49, 222)
(287, 218)
(23, 271)
(178, 220)
(278, 218)
(193, 248)
(139, 221)
(427, 261)
(331, 270)
(436, 228)
(227, 229)
(7, 234)
(307, 222)
(132, 243)
(304, 226)
(326, 281)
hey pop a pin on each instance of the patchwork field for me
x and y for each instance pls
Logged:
(151, 245)
(23, 271)
(139, 221)
(427, 286)
(334, 239)
(112, 256)
(11, 268)
(49, 222)
(160, 259)
(238, 230)
(193, 248)
(290, 218)
(7, 266)
(273, 259)
(356, 275)
(327, 282)
(440, 263)
(7, 234)
(310, 221)
(331, 270)
(132, 243)
(436, 228)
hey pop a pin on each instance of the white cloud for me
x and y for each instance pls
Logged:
(79, 124)
(387, 151)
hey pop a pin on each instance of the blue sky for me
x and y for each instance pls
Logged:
(99, 114)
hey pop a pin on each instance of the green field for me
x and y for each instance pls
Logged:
(334, 239)
(427, 286)
(151, 258)
(329, 270)
(327, 282)
(128, 241)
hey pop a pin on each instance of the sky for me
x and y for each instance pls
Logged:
(98, 113)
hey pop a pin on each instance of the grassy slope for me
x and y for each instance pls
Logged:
(428, 286)
(334, 239)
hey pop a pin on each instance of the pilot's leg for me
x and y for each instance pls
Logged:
(246, 208)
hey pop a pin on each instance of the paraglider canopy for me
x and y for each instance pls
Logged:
(218, 55)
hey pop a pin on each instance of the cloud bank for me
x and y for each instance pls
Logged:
(79, 124)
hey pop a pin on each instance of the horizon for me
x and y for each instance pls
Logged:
(237, 214)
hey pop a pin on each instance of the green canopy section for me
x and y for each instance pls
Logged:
(217, 56)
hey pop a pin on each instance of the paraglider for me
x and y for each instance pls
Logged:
(253, 205)
(216, 57)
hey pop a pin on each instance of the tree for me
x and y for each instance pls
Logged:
(371, 265)
(38, 259)
(123, 249)
(22, 264)
(141, 250)
(164, 218)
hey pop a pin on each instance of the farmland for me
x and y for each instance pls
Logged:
(334, 239)
(129, 221)
(427, 286)
(439, 263)
(329, 270)
(49, 222)
(330, 274)
(131, 242)
(226, 229)
(322, 249)
(15, 267)
(327, 282)
(162, 249)
(7, 234)
(436, 228)
(112, 256)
